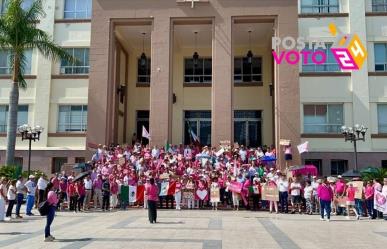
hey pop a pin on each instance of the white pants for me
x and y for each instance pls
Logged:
(191, 203)
(97, 197)
(214, 204)
(113, 201)
(145, 202)
(2, 209)
(235, 199)
(178, 199)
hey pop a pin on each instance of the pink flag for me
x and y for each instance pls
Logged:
(145, 133)
(303, 147)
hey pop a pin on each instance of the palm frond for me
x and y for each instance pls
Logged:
(35, 12)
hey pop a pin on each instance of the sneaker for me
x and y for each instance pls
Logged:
(49, 239)
(347, 217)
(52, 237)
(358, 217)
(329, 220)
(19, 217)
(322, 219)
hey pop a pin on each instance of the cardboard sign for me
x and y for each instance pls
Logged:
(121, 161)
(380, 201)
(215, 194)
(358, 185)
(284, 142)
(341, 201)
(270, 193)
(164, 176)
(202, 194)
(188, 193)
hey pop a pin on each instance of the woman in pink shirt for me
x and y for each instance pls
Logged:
(52, 200)
(152, 191)
(351, 200)
(369, 197)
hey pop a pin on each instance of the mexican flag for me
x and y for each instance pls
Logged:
(167, 188)
(195, 138)
(136, 193)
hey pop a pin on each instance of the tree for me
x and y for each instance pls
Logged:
(19, 33)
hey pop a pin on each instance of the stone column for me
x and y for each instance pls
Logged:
(160, 118)
(222, 88)
(287, 93)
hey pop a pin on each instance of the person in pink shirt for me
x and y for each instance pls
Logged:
(325, 193)
(114, 193)
(369, 198)
(52, 200)
(340, 192)
(351, 191)
(152, 191)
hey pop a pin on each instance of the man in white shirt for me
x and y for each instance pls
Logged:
(155, 152)
(20, 190)
(243, 154)
(42, 185)
(283, 188)
(88, 189)
(295, 192)
(31, 188)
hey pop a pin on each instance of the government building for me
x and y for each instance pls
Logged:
(204, 65)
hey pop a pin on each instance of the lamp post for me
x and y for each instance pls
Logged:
(354, 134)
(31, 134)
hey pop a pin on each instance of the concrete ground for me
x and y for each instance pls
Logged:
(194, 229)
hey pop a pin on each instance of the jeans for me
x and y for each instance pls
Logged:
(41, 196)
(50, 219)
(29, 204)
(370, 207)
(105, 202)
(359, 206)
(152, 211)
(19, 201)
(325, 206)
(283, 197)
(80, 202)
(255, 201)
(10, 207)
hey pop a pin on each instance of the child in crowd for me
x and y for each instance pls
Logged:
(308, 192)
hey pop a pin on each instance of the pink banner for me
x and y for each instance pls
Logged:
(235, 187)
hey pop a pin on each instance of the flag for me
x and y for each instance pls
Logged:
(145, 133)
(303, 147)
(136, 193)
(192, 133)
(167, 188)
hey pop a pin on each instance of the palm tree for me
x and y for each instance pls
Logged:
(18, 33)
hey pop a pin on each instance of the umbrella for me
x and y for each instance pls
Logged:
(304, 170)
(351, 173)
(202, 156)
(81, 176)
(79, 166)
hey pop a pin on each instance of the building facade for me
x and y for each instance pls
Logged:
(205, 66)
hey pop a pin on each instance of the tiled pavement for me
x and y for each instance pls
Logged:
(201, 229)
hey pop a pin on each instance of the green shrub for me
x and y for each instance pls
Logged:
(10, 171)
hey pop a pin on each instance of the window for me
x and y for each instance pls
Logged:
(380, 56)
(323, 118)
(200, 73)
(57, 163)
(382, 118)
(247, 128)
(5, 66)
(143, 71)
(77, 9)
(338, 167)
(247, 72)
(80, 160)
(142, 120)
(26, 4)
(72, 118)
(200, 123)
(379, 5)
(319, 6)
(22, 116)
(80, 66)
(384, 164)
(317, 163)
(329, 66)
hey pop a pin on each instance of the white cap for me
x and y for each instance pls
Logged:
(31, 176)
(339, 176)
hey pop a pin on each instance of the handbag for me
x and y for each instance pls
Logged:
(43, 208)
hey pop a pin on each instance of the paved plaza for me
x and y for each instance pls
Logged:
(195, 229)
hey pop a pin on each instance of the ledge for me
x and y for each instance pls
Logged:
(376, 13)
(247, 84)
(316, 15)
(4, 134)
(380, 135)
(27, 77)
(70, 76)
(325, 74)
(72, 20)
(142, 84)
(197, 84)
(184, 2)
(66, 134)
(378, 73)
(321, 135)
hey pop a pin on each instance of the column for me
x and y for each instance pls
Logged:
(160, 118)
(222, 88)
(359, 78)
(287, 94)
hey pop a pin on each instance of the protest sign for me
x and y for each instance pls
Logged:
(235, 187)
(270, 193)
(358, 185)
(188, 193)
(284, 142)
(380, 201)
(215, 194)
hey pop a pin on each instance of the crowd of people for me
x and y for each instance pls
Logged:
(190, 177)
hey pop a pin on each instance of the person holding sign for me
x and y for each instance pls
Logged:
(215, 193)
(351, 201)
